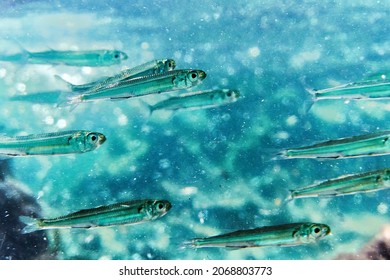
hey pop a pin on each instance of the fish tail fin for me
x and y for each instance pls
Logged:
(280, 155)
(32, 224)
(67, 99)
(188, 244)
(289, 198)
(68, 84)
(149, 108)
(308, 103)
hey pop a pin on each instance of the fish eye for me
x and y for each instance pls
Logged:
(93, 137)
(229, 93)
(160, 206)
(116, 55)
(316, 230)
(194, 76)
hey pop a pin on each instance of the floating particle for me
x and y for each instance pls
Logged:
(382, 208)
(122, 120)
(145, 45)
(49, 120)
(61, 123)
(292, 120)
(164, 163)
(254, 52)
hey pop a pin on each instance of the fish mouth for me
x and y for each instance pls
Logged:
(202, 75)
(168, 206)
(123, 56)
(102, 139)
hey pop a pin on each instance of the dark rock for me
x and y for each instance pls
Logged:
(15, 202)
(377, 249)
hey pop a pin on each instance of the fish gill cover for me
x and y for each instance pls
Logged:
(216, 166)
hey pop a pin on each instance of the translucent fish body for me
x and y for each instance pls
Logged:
(94, 58)
(377, 89)
(373, 144)
(348, 184)
(130, 212)
(198, 100)
(280, 235)
(56, 143)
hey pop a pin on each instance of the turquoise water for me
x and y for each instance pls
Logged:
(214, 165)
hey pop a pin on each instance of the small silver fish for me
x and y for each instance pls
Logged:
(93, 58)
(371, 89)
(153, 84)
(345, 185)
(279, 235)
(197, 100)
(122, 213)
(373, 144)
(55, 143)
(148, 68)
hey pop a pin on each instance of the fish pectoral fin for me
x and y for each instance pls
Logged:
(120, 98)
(232, 248)
(87, 225)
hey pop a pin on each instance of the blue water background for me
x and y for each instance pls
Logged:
(213, 165)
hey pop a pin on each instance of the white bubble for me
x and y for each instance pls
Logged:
(188, 58)
(61, 123)
(230, 70)
(382, 208)
(3, 72)
(164, 163)
(49, 120)
(292, 120)
(189, 190)
(254, 52)
(145, 45)
(21, 87)
(122, 120)
(282, 135)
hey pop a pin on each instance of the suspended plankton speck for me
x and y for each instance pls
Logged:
(382, 208)
(282, 135)
(145, 45)
(189, 190)
(21, 87)
(49, 120)
(3, 72)
(254, 52)
(122, 120)
(292, 120)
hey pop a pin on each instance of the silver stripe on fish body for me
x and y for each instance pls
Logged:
(345, 185)
(280, 235)
(55, 143)
(122, 213)
(372, 144)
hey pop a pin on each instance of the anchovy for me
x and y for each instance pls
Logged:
(122, 213)
(197, 100)
(55, 143)
(347, 184)
(93, 58)
(158, 83)
(279, 235)
(371, 89)
(373, 144)
(148, 68)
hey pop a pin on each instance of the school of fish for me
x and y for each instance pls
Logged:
(160, 77)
